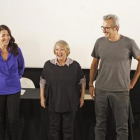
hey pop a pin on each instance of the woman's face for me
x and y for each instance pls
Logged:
(60, 53)
(4, 38)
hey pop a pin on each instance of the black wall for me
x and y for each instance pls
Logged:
(34, 75)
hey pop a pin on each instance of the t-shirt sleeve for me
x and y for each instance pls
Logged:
(42, 82)
(95, 52)
(80, 75)
(135, 50)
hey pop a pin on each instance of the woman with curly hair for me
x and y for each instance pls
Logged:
(11, 70)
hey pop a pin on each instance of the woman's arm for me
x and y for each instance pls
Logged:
(42, 97)
(82, 95)
(82, 79)
(21, 65)
(42, 92)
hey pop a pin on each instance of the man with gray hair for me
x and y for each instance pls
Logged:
(114, 52)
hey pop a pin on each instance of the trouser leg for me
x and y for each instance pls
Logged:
(2, 116)
(13, 114)
(119, 102)
(67, 125)
(101, 113)
(55, 121)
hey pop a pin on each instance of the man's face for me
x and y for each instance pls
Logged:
(109, 29)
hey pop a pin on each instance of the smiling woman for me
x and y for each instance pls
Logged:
(4, 38)
(11, 70)
(62, 76)
(61, 50)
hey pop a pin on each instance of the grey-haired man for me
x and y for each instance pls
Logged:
(114, 52)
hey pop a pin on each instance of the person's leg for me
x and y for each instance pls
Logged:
(2, 116)
(13, 114)
(55, 121)
(67, 125)
(101, 113)
(119, 102)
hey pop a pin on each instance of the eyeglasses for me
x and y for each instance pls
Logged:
(106, 28)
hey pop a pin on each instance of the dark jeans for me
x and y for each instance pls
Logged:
(119, 102)
(64, 121)
(9, 104)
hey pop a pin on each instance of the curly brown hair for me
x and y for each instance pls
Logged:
(12, 45)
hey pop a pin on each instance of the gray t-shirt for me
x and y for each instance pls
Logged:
(115, 63)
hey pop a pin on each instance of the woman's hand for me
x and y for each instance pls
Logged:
(81, 102)
(43, 102)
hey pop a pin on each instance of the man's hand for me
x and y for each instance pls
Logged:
(92, 92)
(136, 75)
(131, 85)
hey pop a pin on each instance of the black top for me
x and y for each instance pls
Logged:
(63, 88)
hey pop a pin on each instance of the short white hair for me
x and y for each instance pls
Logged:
(64, 45)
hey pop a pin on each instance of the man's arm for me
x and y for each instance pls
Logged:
(136, 75)
(93, 70)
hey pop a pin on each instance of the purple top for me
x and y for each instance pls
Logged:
(11, 71)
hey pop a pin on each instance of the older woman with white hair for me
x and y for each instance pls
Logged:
(63, 78)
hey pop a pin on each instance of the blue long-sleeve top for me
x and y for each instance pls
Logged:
(11, 71)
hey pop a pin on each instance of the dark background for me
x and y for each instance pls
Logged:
(35, 119)
(35, 73)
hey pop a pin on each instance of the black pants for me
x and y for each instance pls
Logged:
(64, 121)
(9, 104)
